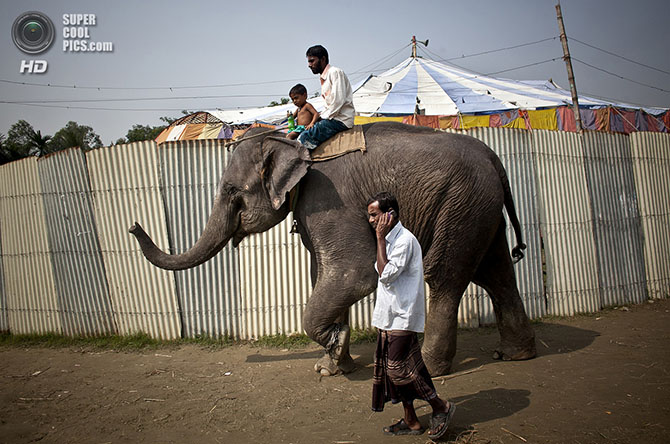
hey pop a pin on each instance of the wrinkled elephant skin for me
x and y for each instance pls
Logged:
(452, 190)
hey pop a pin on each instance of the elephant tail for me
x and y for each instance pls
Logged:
(517, 251)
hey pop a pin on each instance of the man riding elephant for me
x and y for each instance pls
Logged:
(338, 95)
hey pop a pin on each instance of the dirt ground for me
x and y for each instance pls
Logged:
(601, 378)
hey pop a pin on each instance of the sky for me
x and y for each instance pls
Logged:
(199, 55)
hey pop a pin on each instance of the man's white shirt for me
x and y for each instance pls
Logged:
(338, 95)
(401, 301)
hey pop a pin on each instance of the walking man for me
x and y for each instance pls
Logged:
(400, 374)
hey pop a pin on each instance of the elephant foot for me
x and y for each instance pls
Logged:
(337, 360)
(501, 356)
(511, 353)
(326, 366)
(346, 364)
(435, 366)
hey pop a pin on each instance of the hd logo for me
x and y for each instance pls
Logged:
(33, 33)
(33, 66)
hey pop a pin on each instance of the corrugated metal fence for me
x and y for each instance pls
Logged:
(593, 208)
(651, 166)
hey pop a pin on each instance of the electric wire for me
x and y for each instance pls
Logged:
(619, 56)
(375, 65)
(501, 49)
(130, 88)
(498, 50)
(171, 88)
(523, 66)
(619, 76)
(136, 99)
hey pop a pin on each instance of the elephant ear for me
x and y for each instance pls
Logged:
(285, 162)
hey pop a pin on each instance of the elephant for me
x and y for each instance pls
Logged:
(451, 189)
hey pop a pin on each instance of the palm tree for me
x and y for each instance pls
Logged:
(39, 143)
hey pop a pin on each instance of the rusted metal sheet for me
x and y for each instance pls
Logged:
(81, 283)
(209, 294)
(616, 220)
(565, 224)
(32, 304)
(651, 165)
(124, 183)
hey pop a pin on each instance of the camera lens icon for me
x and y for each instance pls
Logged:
(33, 32)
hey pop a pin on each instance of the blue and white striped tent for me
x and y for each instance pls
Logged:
(443, 90)
(436, 89)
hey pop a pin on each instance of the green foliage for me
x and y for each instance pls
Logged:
(52, 340)
(142, 341)
(282, 101)
(363, 336)
(135, 342)
(75, 135)
(23, 141)
(139, 133)
(5, 154)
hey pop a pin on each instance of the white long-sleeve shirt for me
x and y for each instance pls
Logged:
(338, 95)
(401, 303)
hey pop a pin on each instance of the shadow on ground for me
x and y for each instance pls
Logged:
(475, 348)
(483, 406)
(259, 357)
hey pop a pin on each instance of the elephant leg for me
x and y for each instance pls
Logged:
(326, 315)
(458, 245)
(439, 343)
(327, 366)
(496, 275)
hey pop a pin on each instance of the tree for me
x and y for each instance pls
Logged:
(75, 135)
(5, 154)
(23, 141)
(41, 144)
(282, 101)
(139, 133)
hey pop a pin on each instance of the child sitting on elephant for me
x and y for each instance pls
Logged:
(305, 115)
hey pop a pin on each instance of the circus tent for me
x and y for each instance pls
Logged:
(434, 88)
(425, 92)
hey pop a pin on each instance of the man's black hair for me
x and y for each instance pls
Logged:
(387, 201)
(318, 51)
(298, 89)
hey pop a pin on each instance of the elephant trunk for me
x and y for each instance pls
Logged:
(215, 236)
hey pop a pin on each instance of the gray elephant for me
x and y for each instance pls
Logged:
(451, 189)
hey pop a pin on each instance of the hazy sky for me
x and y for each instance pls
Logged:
(248, 53)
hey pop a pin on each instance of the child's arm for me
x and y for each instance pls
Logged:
(315, 115)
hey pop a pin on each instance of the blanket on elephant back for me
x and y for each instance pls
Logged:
(340, 144)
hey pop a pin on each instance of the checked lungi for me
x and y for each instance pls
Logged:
(399, 372)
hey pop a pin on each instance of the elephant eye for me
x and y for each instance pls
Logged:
(230, 190)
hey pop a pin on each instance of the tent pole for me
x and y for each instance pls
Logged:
(568, 64)
(414, 46)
